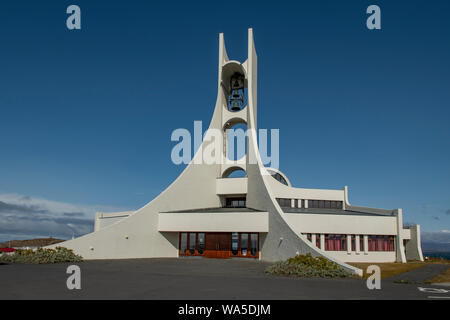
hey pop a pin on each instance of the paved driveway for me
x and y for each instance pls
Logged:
(185, 278)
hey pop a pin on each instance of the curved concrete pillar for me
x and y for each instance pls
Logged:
(281, 242)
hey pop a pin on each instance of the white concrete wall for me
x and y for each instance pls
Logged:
(231, 186)
(103, 220)
(413, 246)
(214, 222)
(406, 234)
(342, 224)
(371, 256)
(282, 191)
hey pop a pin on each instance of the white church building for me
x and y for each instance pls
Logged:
(206, 212)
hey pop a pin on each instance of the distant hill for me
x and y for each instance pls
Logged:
(40, 242)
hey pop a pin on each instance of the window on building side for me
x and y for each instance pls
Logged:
(284, 203)
(192, 236)
(235, 202)
(234, 243)
(201, 243)
(183, 243)
(244, 243)
(335, 242)
(253, 244)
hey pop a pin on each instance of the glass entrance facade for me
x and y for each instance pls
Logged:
(219, 244)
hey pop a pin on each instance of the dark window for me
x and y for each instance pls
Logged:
(183, 243)
(192, 243)
(278, 177)
(327, 204)
(235, 202)
(234, 243)
(253, 244)
(335, 242)
(391, 245)
(201, 243)
(284, 203)
(381, 243)
(343, 243)
(244, 244)
(328, 242)
(372, 243)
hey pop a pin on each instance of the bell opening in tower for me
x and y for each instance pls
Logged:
(236, 95)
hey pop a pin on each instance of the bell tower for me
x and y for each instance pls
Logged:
(236, 96)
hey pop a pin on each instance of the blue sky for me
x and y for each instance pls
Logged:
(86, 116)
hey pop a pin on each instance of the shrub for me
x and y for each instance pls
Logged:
(307, 266)
(40, 255)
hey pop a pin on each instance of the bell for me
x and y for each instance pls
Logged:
(236, 84)
(236, 94)
(235, 106)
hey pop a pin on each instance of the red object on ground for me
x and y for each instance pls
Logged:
(7, 249)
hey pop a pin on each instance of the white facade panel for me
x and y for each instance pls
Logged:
(103, 220)
(342, 224)
(214, 222)
(231, 186)
(282, 191)
(406, 234)
(371, 256)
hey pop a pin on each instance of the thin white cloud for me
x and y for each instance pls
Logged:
(442, 236)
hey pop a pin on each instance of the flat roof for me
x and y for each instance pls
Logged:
(215, 210)
(286, 210)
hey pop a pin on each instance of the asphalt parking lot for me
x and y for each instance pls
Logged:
(193, 279)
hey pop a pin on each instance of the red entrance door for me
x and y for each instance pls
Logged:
(218, 245)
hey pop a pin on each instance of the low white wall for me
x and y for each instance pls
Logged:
(280, 190)
(371, 256)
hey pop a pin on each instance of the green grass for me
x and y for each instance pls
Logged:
(41, 256)
(306, 266)
(389, 269)
(443, 277)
